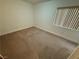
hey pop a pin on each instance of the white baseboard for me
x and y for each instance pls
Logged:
(14, 30)
(57, 34)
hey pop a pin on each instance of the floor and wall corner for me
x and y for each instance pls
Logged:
(18, 15)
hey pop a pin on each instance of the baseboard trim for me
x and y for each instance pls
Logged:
(15, 31)
(58, 35)
(39, 28)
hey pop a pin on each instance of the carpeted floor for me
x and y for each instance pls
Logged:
(33, 43)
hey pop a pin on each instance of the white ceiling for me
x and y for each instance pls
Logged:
(36, 1)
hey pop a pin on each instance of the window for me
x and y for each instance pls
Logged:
(67, 17)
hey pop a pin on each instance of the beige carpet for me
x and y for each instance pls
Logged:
(75, 54)
(33, 43)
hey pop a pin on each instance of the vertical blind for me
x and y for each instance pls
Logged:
(67, 18)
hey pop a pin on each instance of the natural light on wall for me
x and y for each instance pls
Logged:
(67, 17)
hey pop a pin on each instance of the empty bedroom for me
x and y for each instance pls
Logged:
(39, 29)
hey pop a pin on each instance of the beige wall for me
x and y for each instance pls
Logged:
(15, 15)
(0, 16)
(45, 13)
(0, 28)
